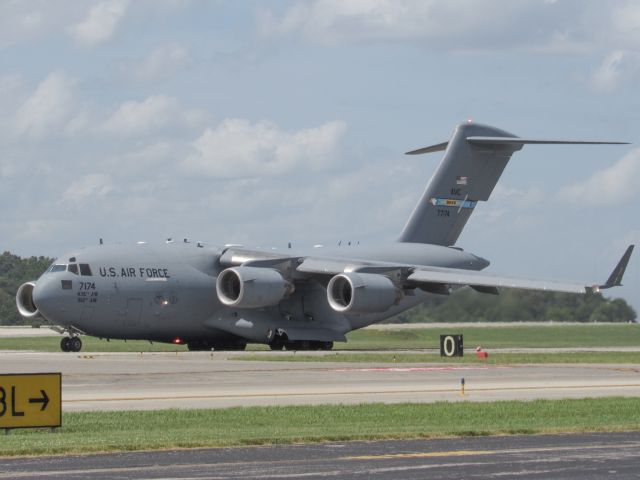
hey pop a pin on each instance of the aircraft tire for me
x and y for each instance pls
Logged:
(326, 345)
(277, 344)
(298, 345)
(64, 344)
(75, 344)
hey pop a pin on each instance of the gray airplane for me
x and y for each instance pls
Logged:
(222, 298)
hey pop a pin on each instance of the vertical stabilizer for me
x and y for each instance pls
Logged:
(467, 174)
(473, 161)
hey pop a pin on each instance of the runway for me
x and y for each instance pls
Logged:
(579, 456)
(134, 381)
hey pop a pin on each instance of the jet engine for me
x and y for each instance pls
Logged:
(353, 292)
(24, 300)
(252, 287)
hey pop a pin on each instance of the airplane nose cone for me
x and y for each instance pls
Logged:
(44, 298)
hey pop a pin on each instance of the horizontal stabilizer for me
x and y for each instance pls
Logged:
(615, 279)
(439, 147)
(433, 148)
(534, 141)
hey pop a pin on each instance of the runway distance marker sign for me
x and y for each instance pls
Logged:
(451, 346)
(30, 400)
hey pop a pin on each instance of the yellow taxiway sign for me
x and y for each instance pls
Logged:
(30, 400)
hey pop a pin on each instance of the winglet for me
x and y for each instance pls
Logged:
(615, 279)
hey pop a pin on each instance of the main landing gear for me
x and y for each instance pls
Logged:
(71, 344)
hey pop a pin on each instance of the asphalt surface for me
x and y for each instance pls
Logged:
(580, 456)
(126, 381)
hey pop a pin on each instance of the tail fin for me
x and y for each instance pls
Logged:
(473, 161)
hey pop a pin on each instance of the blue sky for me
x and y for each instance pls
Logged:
(268, 122)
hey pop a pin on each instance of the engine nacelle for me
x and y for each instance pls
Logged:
(24, 300)
(252, 287)
(361, 293)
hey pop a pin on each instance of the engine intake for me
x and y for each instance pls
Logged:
(24, 300)
(252, 287)
(361, 293)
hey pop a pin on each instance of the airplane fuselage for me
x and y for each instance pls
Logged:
(226, 297)
(167, 293)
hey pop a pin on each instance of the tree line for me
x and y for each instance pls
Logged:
(14, 271)
(465, 305)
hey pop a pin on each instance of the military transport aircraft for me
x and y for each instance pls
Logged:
(225, 297)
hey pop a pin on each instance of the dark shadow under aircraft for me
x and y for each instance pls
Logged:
(225, 297)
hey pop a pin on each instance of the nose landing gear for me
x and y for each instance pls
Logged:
(71, 344)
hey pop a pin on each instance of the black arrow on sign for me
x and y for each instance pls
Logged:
(44, 400)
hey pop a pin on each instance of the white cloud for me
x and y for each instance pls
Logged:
(617, 67)
(537, 26)
(238, 148)
(35, 228)
(515, 205)
(625, 23)
(607, 76)
(11, 86)
(162, 62)
(609, 187)
(100, 23)
(517, 198)
(156, 112)
(148, 155)
(88, 186)
(20, 21)
(51, 108)
(457, 23)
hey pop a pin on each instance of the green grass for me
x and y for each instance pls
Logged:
(163, 429)
(558, 336)
(469, 358)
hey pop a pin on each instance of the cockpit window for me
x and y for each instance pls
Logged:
(58, 267)
(73, 268)
(85, 269)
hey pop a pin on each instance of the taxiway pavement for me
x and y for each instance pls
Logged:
(135, 381)
(578, 456)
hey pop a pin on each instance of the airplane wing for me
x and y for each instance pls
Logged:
(434, 278)
(259, 279)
